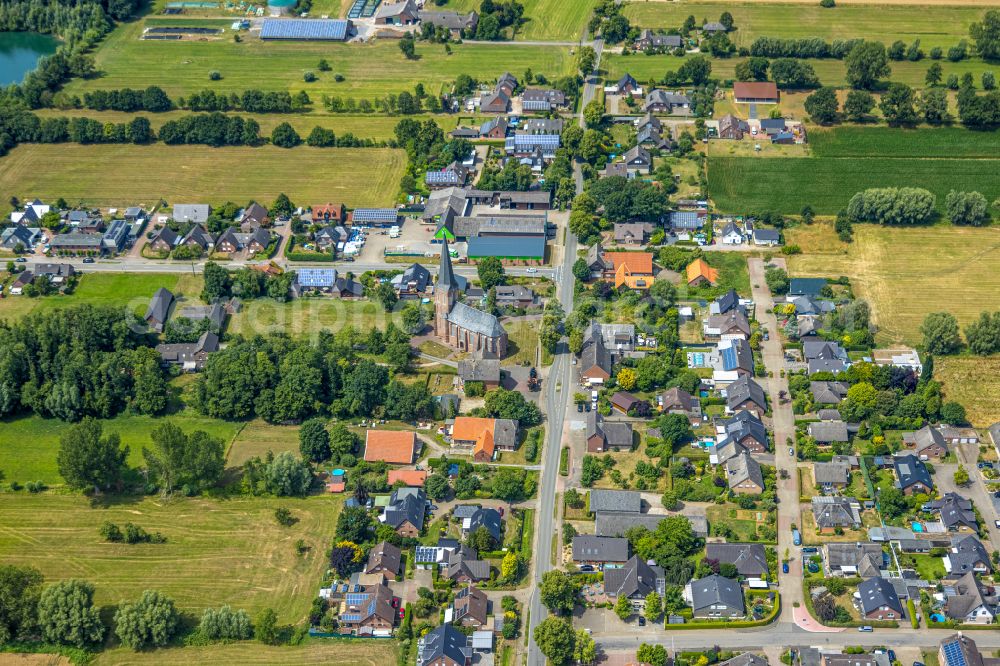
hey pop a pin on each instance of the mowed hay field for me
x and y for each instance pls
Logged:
(905, 273)
(830, 72)
(847, 160)
(308, 316)
(547, 20)
(117, 175)
(217, 552)
(371, 70)
(973, 381)
(938, 25)
(314, 651)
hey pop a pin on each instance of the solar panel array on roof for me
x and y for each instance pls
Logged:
(953, 654)
(438, 177)
(356, 599)
(375, 215)
(426, 554)
(314, 29)
(316, 277)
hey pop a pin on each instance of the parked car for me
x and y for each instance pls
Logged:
(88, 260)
(586, 567)
(642, 621)
(791, 451)
(579, 406)
(892, 655)
(784, 567)
(532, 269)
(865, 628)
(996, 523)
(21, 260)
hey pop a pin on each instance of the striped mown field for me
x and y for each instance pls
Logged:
(118, 175)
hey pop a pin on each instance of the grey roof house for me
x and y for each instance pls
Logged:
(599, 550)
(619, 501)
(159, 309)
(716, 597)
(749, 558)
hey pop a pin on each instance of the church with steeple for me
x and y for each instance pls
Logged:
(461, 326)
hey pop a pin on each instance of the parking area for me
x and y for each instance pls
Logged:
(413, 242)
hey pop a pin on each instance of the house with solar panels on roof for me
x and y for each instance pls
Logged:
(324, 30)
(461, 326)
(453, 175)
(523, 145)
(368, 612)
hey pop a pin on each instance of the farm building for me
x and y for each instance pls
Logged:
(328, 30)
(755, 92)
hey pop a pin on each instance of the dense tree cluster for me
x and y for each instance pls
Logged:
(979, 111)
(79, 361)
(793, 73)
(810, 47)
(284, 380)
(629, 199)
(495, 16)
(152, 99)
(250, 101)
(967, 208)
(244, 283)
(892, 205)
(212, 129)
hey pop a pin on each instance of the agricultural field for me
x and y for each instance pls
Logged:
(973, 381)
(905, 273)
(827, 184)
(29, 444)
(217, 552)
(117, 175)
(130, 289)
(372, 126)
(315, 651)
(830, 72)
(942, 142)
(939, 25)
(370, 70)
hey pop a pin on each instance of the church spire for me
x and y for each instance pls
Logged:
(446, 277)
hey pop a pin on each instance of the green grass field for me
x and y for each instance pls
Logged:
(941, 142)
(373, 126)
(315, 651)
(308, 316)
(119, 175)
(259, 437)
(548, 20)
(907, 273)
(829, 72)
(973, 381)
(370, 70)
(131, 289)
(741, 184)
(939, 25)
(29, 445)
(217, 551)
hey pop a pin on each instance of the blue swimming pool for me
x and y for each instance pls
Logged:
(917, 527)
(937, 617)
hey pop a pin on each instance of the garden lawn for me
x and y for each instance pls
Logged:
(906, 273)
(742, 522)
(522, 342)
(973, 381)
(927, 566)
(939, 25)
(29, 445)
(217, 551)
(371, 70)
(313, 651)
(122, 175)
(741, 184)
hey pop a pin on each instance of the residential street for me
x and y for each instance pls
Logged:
(784, 436)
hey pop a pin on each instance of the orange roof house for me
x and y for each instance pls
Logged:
(392, 446)
(411, 477)
(632, 269)
(699, 272)
(476, 432)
